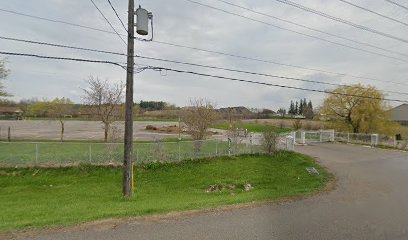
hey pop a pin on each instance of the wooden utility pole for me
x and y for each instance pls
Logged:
(128, 146)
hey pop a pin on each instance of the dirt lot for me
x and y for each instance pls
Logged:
(78, 130)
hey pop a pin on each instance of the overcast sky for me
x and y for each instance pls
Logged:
(185, 23)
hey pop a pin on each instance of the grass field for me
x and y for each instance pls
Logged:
(252, 127)
(33, 198)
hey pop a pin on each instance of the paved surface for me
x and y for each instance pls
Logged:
(370, 202)
(76, 130)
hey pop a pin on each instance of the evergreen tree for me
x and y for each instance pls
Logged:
(296, 108)
(309, 114)
(291, 108)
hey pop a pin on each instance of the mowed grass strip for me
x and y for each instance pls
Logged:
(43, 197)
(252, 127)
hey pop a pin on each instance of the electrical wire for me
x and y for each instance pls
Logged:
(117, 15)
(314, 29)
(273, 85)
(297, 32)
(61, 46)
(206, 50)
(278, 63)
(62, 58)
(199, 74)
(325, 15)
(184, 63)
(256, 73)
(373, 12)
(397, 4)
(103, 15)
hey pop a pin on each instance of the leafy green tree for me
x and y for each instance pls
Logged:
(39, 109)
(368, 114)
(3, 75)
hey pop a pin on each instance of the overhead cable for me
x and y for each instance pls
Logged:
(337, 19)
(103, 15)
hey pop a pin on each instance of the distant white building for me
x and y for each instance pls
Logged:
(400, 114)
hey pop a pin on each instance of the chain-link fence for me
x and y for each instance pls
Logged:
(372, 139)
(55, 154)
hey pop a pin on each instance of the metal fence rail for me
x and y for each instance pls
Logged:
(55, 154)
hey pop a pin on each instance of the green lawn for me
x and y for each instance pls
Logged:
(252, 127)
(35, 198)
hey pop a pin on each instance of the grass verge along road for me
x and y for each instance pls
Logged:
(43, 197)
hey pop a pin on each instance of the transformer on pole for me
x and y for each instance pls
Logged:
(143, 17)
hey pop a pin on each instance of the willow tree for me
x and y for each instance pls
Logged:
(358, 109)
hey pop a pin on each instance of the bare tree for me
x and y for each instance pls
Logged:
(104, 101)
(60, 109)
(199, 117)
(269, 141)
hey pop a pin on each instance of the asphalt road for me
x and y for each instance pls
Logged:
(369, 202)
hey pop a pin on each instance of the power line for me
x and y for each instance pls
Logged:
(314, 29)
(278, 63)
(62, 58)
(397, 4)
(56, 21)
(256, 73)
(373, 12)
(61, 46)
(195, 73)
(297, 32)
(273, 85)
(117, 15)
(178, 62)
(103, 15)
(205, 50)
(325, 15)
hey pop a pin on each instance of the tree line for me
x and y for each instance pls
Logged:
(302, 108)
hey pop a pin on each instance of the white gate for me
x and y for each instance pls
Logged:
(304, 137)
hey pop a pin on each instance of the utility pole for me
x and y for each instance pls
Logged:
(128, 145)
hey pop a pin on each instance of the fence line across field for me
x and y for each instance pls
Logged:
(68, 153)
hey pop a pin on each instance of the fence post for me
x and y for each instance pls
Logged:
(302, 137)
(250, 143)
(348, 137)
(374, 139)
(36, 155)
(179, 151)
(290, 144)
(216, 148)
(294, 137)
(229, 147)
(90, 154)
(321, 135)
(332, 133)
(9, 134)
